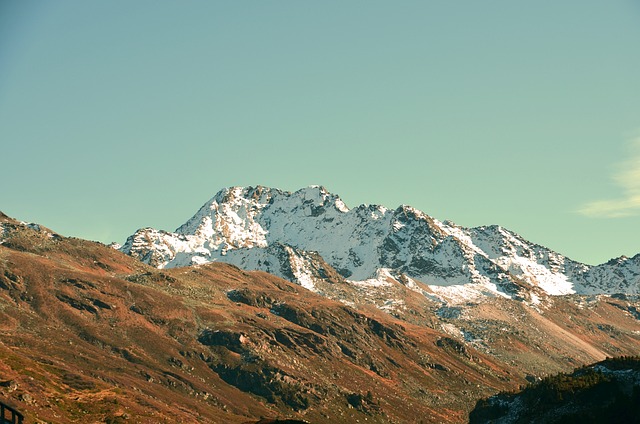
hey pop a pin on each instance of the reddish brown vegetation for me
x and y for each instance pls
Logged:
(91, 335)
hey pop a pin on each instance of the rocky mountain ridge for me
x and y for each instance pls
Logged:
(90, 334)
(308, 234)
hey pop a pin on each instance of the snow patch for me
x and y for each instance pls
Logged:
(383, 278)
(341, 206)
(536, 274)
(452, 330)
(535, 299)
(463, 293)
(393, 305)
(301, 270)
(199, 260)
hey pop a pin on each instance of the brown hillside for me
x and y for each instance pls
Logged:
(88, 334)
(91, 335)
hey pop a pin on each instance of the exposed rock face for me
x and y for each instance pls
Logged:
(311, 237)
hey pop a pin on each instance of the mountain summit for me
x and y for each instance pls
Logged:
(310, 237)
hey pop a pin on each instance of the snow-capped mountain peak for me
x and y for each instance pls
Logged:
(240, 225)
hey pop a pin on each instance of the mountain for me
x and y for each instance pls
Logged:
(310, 236)
(88, 334)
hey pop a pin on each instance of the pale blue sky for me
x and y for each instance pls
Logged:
(116, 115)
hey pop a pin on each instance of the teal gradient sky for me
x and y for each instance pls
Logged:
(116, 115)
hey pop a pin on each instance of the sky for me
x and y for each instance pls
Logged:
(126, 114)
